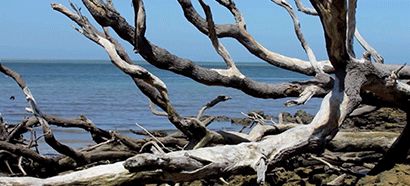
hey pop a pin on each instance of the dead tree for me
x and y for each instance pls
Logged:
(357, 80)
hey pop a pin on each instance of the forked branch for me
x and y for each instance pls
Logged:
(34, 109)
(221, 50)
(296, 24)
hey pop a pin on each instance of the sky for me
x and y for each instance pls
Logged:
(32, 30)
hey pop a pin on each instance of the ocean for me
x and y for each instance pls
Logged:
(102, 93)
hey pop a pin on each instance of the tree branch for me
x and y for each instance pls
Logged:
(302, 8)
(48, 135)
(211, 104)
(163, 59)
(376, 56)
(351, 26)
(21, 151)
(242, 36)
(221, 50)
(299, 34)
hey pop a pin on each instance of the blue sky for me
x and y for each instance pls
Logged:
(32, 30)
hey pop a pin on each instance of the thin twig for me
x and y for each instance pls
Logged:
(223, 181)
(399, 69)
(153, 137)
(351, 27)
(154, 111)
(325, 162)
(38, 138)
(14, 130)
(20, 165)
(98, 145)
(34, 136)
(302, 8)
(8, 166)
(154, 144)
(299, 34)
(212, 103)
(218, 46)
(369, 49)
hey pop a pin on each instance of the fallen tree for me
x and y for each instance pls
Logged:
(115, 174)
(198, 152)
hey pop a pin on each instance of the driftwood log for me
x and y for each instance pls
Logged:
(116, 174)
(198, 152)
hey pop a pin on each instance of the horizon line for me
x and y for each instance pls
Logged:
(107, 60)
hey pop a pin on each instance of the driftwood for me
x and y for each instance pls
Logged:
(199, 159)
(115, 174)
(197, 152)
(362, 141)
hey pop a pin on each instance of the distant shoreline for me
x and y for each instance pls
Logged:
(107, 62)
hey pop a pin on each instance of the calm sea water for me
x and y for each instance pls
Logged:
(111, 100)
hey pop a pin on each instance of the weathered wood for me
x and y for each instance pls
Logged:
(239, 33)
(65, 162)
(218, 46)
(363, 110)
(362, 141)
(210, 104)
(107, 173)
(34, 109)
(163, 59)
(22, 151)
(193, 128)
(232, 158)
(296, 24)
(113, 174)
(355, 83)
(3, 130)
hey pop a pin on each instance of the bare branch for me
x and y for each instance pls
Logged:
(140, 25)
(8, 166)
(118, 56)
(153, 137)
(305, 96)
(211, 104)
(299, 34)
(208, 162)
(351, 26)
(175, 64)
(302, 8)
(325, 162)
(251, 153)
(376, 56)
(3, 131)
(20, 166)
(148, 83)
(248, 41)
(82, 122)
(48, 135)
(163, 59)
(127, 141)
(230, 5)
(155, 111)
(221, 50)
(21, 151)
